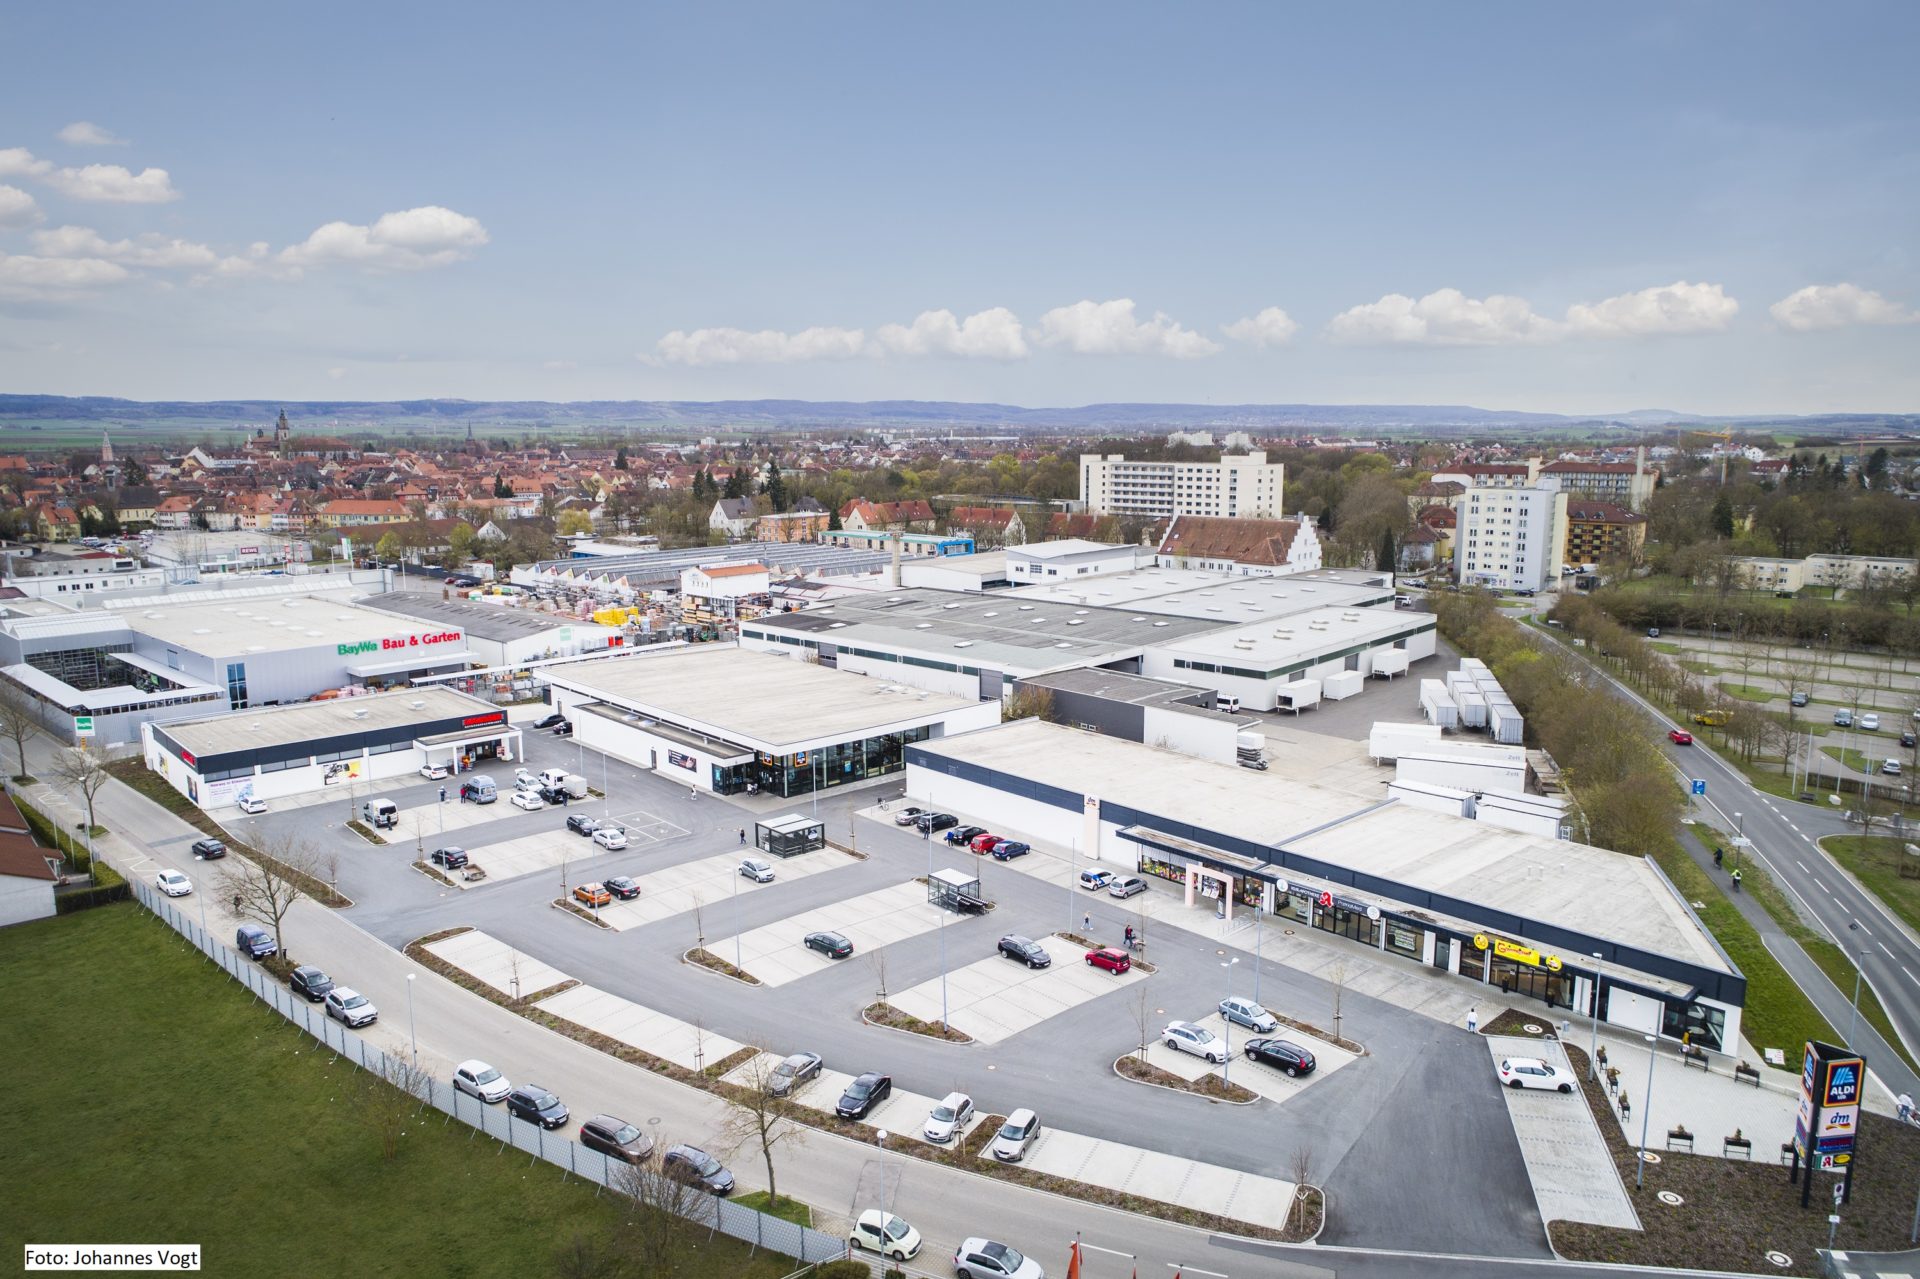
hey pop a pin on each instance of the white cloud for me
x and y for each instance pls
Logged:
(85, 133)
(18, 162)
(17, 208)
(1271, 327)
(336, 373)
(149, 250)
(993, 334)
(25, 276)
(1835, 306)
(766, 346)
(1669, 308)
(113, 184)
(411, 240)
(560, 366)
(1109, 328)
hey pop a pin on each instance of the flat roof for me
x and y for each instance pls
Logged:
(1138, 690)
(1277, 642)
(235, 628)
(1575, 886)
(272, 726)
(982, 563)
(1067, 546)
(761, 699)
(1223, 598)
(497, 622)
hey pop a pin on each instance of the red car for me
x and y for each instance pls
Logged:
(983, 843)
(1114, 961)
(1680, 737)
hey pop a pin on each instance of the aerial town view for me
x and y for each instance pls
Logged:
(773, 641)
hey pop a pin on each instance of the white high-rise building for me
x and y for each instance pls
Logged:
(1243, 485)
(1511, 539)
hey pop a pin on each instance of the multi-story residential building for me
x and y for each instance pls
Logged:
(1629, 484)
(790, 526)
(1492, 475)
(1603, 530)
(1510, 538)
(1239, 485)
(353, 512)
(1834, 572)
(989, 526)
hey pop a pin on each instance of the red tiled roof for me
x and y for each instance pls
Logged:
(1240, 540)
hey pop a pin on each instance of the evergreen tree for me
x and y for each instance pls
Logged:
(738, 485)
(1386, 560)
(776, 486)
(1722, 517)
(620, 459)
(833, 520)
(500, 486)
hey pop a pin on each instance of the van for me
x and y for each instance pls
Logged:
(479, 790)
(574, 785)
(379, 813)
(1226, 702)
(553, 778)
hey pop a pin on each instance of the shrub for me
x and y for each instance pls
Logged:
(845, 1268)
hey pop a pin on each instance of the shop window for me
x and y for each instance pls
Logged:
(1701, 1025)
(1403, 938)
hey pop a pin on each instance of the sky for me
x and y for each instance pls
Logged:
(1709, 207)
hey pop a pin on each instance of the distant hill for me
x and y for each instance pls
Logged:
(438, 416)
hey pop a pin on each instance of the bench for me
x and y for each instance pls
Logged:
(1728, 1145)
(1691, 1056)
(968, 904)
(1786, 1153)
(1744, 1073)
(1680, 1139)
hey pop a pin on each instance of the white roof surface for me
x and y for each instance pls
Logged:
(235, 628)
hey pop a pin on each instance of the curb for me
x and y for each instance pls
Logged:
(1184, 1092)
(968, 1042)
(686, 957)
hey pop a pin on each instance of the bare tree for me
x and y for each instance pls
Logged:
(878, 960)
(265, 887)
(391, 1102)
(1143, 1018)
(1338, 976)
(671, 1210)
(590, 1257)
(19, 722)
(761, 1118)
(1301, 1168)
(83, 771)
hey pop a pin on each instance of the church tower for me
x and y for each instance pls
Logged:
(109, 472)
(280, 434)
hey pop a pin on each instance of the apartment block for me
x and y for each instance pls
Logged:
(1510, 539)
(1242, 485)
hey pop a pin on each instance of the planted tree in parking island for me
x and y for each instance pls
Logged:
(265, 886)
(761, 1118)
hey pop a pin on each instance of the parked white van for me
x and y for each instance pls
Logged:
(379, 813)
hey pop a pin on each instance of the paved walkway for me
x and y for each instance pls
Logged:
(488, 959)
(1152, 1174)
(777, 954)
(1708, 1103)
(683, 1043)
(1573, 1173)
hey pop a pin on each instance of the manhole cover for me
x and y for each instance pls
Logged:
(1647, 1156)
(1670, 1199)
(1533, 1027)
(1780, 1259)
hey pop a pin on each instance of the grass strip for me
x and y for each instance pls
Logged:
(1209, 1085)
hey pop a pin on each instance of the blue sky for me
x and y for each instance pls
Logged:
(1708, 207)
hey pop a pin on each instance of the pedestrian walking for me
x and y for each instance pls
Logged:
(1086, 922)
(743, 837)
(1717, 856)
(693, 792)
(1473, 1021)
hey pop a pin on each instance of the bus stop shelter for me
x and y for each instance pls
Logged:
(789, 836)
(957, 891)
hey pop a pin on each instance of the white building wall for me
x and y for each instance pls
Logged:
(1199, 735)
(22, 899)
(1510, 539)
(957, 683)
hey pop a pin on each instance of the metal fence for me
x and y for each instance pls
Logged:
(745, 1224)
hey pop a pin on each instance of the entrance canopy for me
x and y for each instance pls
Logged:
(449, 745)
(401, 666)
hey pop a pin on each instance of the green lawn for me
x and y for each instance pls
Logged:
(1749, 693)
(1871, 858)
(788, 1209)
(155, 1101)
(1852, 758)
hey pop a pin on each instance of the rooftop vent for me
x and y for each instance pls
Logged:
(359, 712)
(1026, 608)
(416, 703)
(1074, 621)
(963, 644)
(201, 630)
(949, 606)
(923, 626)
(1063, 645)
(1139, 619)
(1080, 612)
(1159, 623)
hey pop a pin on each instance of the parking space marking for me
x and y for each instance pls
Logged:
(638, 1026)
(902, 1114)
(776, 954)
(486, 958)
(676, 890)
(1268, 1081)
(1244, 1196)
(1573, 1174)
(996, 998)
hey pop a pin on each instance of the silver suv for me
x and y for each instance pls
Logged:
(1016, 1136)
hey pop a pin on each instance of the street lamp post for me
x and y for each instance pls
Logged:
(1227, 1064)
(736, 917)
(1739, 837)
(1646, 1115)
(1859, 958)
(411, 1033)
(1593, 1042)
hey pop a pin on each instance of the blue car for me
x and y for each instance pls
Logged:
(255, 941)
(1007, 849)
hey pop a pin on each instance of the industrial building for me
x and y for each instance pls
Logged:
(500, 635)
(627, 577)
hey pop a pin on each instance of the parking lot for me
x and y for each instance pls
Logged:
(776, 954)
(678, 889)
(997, 998)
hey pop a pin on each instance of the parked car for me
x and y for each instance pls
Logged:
(209, 849)
(563, 729)
(1016, 1136)
(965, 834)
(863, 1094)
(1184, 1036)
(695, 1166)
(347, 1004)
(536, 1105)
(311, 982)
(592, 894)
(1680, 737)
(550, 721)
(616, 1139)
(1843, 719)
(433, 772)
(885, 1234)
(1907, 740)
(1026, 950)
(581, 824)
(1107, 957)
(1282, 1054)
(983, 842)
(1245, 1012)
(481, 1080)
(623, 887)
(1008, 849)
(832, 945)
(558, 796)
(1869, 723)
(1531, 1072)
(926, 822)
(610, 836)
(1797, 699)
(255, 942)
(984, 1259)
(1653, 632)
(905, 816)
(796, 1069)
(478, 790)
(1712, 719)
(252, 805)
(1126, 886)
(947, 1118)
(1095, 880)
(1891, 768)
(173, 883)
(528, 800)
(450, 858)
(757, 870)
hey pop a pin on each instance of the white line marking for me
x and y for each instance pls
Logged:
(1822, 887)
(1802, 865)
(1910, 977)
(1883, 946)
(1863, 928)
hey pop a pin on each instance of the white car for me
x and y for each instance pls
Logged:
(1184, 1036)
(350, 1006)
(1245, 1012)
(985, 1259)
(528, 800)
(525, 780)
(434, 772)
(1531, 1072)
(757, 870)
(948, 1118)
(890, 1237)
(482, 1081)
(173, 883)
(1891, 768)
(251, 804)
(1870, 723)
(610, 837)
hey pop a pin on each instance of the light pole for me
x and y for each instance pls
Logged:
(1859, 957)
(1739, 837)
(411, 1033)
(1259, 933)
(736, 917)
(1593, 1042)
(1227, 1063)
(1646, 1115)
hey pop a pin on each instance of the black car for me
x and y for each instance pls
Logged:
(863, 1094)
(696, 1167)
(787, 1077)
(1026, 950)
(1008, 849)
(552, 721)
(964, 835)
(934, 821)
(451, 858)
(621, 886)
(555, 796)
(1907, 740)
(580, 823)
(832, 945)
(563, 729)
(255, 942)
(210, 849)
(1281, 1055)
(311, 982)
(536, 1105)
(616, 1138)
